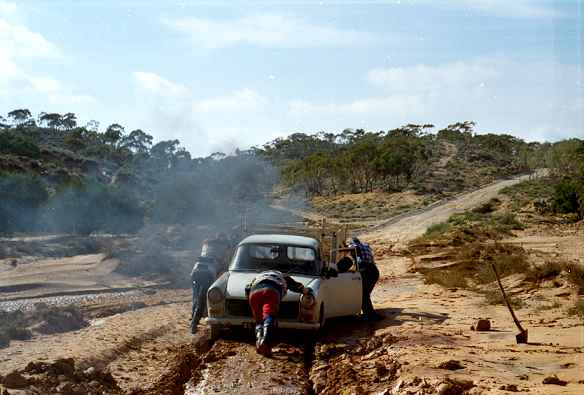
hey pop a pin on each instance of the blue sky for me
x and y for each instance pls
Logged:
(224, 74)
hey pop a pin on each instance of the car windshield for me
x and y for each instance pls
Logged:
(285, 258)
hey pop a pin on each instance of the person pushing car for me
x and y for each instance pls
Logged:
(363, 254)
(264, 294)
(208, 266)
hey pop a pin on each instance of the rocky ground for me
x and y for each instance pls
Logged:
(137, 340)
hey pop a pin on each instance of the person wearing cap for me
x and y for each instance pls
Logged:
(264, 294)
(363, 254)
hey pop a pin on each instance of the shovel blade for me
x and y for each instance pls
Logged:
(521, 337)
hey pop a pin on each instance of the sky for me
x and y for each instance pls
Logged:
(220, 75)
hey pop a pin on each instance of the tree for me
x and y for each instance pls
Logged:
(18, 144)
(164, 149)
(92, 126)
(51, 120)
(137, 141)
(113, 134)
(20, 116)
(3, 122)
(21, 197)
(69, 121)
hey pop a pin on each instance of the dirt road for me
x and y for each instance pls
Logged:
(400, 230)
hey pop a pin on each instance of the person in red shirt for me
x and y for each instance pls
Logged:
(264, 294)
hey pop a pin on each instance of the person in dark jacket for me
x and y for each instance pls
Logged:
(264, 294)
(363, 254)
(211, 263)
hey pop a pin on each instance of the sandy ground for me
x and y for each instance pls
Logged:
(150, 349)
(82, 274)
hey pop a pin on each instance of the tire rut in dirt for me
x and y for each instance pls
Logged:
(233, 366)
(184, 366)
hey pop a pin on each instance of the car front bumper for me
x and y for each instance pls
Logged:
(250, 323)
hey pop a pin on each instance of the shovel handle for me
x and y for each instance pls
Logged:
(517, 323)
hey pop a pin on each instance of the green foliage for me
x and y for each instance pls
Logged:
(446, 278)
(437, 229)
(576, 276)
(577, 309)
(17, 144)
(567, 196)
(21, 199)
(530, 189)
(545, 271)
(88, 207)
(495, 297)
(351, 161)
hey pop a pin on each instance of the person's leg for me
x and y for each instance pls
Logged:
(195, 316)
(208, 281)
(370, 278)
(256, 304)
(366, 304)
(269, 311)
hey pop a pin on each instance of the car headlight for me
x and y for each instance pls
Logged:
(215, 295)
(307, 300)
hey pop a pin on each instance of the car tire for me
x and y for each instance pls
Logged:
(321, 319)
(215, 332)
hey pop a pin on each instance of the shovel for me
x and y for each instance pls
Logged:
(521, 337)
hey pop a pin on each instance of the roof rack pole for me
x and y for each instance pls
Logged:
(334, 248)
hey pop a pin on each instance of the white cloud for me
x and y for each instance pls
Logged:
(153, 83)
(18, 44)
(268, 30)
(534, 100)
(7, 8)
(18, 40)
(240, 100)
(433, 78)
(503, 8)
(203, 125)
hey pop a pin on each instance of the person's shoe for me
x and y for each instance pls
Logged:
(265, 350)
(259, 332)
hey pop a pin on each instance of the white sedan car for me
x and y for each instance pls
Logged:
(333, 294)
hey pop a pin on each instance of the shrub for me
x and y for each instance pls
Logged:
(566, 197)
(437, 229)
(465, 218)
(495, 297)
(446, 278)
(487, 207)
(578, 309)
(18, 333)
(88, 207)
(576, 275)
(16, 144)
(548, 270)
(21, 198)
(506, 222)
(508, 260)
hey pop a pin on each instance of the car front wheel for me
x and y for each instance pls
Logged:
(215, 332)
(321, 319)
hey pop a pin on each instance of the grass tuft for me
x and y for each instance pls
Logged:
(578, 309)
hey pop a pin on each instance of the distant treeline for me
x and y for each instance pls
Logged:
(355, 161)
(57, 176)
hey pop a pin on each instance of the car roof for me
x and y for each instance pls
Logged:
(300, 241)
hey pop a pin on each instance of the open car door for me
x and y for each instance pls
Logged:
(343, 294)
